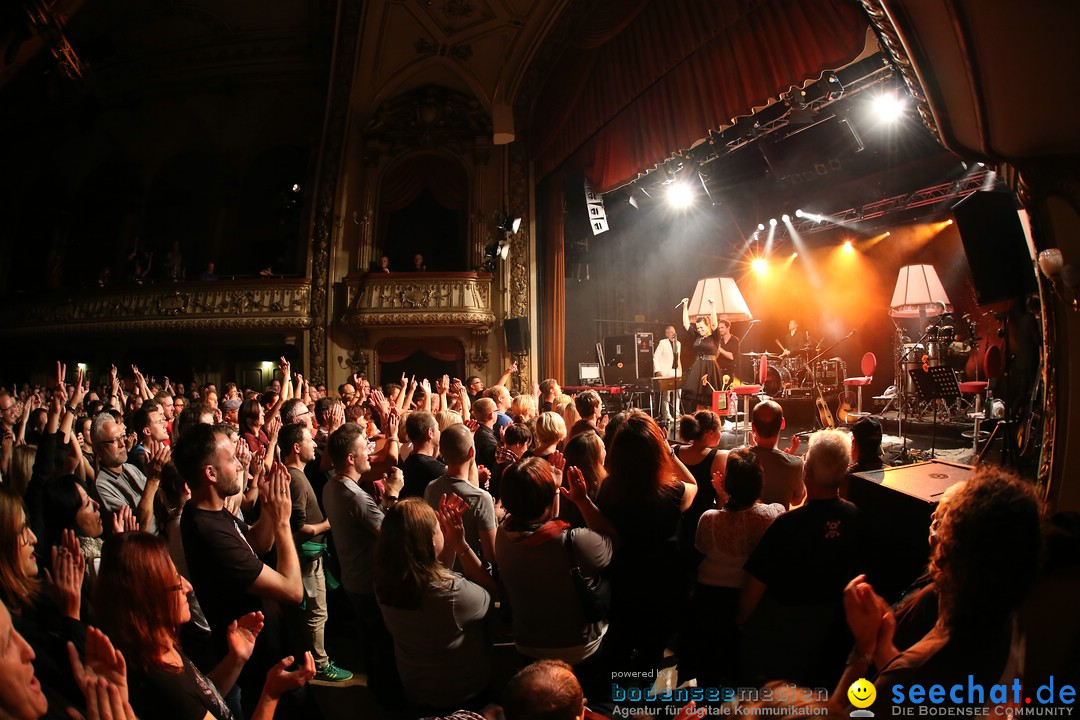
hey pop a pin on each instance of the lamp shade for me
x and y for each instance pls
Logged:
(918, 293)
(729, 301)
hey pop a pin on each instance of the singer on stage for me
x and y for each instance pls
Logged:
(716, 350)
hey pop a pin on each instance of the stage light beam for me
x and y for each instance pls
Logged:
(760, 266)
(889, 107)
(680, 195)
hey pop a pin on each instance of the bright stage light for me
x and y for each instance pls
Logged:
(785, 218)
(889, 107)
(760, 266)
(772, 222)
(949, 222)
(799, 213)
(848, 247)
(760, 226)
(680, 195)
(794, 255)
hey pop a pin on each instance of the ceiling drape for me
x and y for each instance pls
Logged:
(674, 69)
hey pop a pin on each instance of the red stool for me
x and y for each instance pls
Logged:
(869, 365)
(993, 361)
(746, 391)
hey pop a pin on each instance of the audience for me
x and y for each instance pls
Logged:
(597, 555)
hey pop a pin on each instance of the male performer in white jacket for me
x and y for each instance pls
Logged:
(666, 364)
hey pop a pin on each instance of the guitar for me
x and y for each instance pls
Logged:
(846, 404)
(824, 413)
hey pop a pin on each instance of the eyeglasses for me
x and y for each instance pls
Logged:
(115, 441)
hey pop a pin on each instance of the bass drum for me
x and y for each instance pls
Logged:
(777, 380)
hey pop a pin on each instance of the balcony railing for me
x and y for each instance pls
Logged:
(219, 305)
(376, 300)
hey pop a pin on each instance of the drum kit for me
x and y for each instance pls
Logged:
(790, 375)
(940, 345)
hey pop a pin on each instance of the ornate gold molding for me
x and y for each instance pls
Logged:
(419, 300)
(258, 305)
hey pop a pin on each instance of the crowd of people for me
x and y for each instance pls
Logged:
(168, 551)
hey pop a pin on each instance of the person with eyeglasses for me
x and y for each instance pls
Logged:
(45, 610)
(119, 482)
(164, 683)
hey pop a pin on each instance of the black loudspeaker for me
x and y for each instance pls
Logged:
(619, 349)
(643, 343)
(517, 335)
(995, 246)
(896, 504)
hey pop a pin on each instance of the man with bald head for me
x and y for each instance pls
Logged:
(782, 471)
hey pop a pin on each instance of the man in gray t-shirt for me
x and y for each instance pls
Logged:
(781, 471)
(479, 520)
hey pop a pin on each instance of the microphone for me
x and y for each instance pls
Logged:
(754, 321)
(679, 305)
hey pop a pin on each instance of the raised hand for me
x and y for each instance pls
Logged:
(67, 577)
(277, 502)
(273, 427)
(243, 452)
(722, 495)
(864, 613)
(285, 365)
(472, 425)
(512, 368)
(484, 476)
(281, 680)
(574, 487)
(104, 660)
(794, 447)
(124, 520)
(80, 391)
(61, 374)
(557, 460)
(105, 699)
(451, 508)
(337, 417)
(160, 453)
(394, 481)
(241, 635)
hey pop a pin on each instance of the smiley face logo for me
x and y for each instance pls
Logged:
(862, 693)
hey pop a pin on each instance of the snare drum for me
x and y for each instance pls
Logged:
(777, 379)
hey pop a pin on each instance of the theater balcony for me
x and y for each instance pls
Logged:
(439, 321)
(221, 306)
(418, 300)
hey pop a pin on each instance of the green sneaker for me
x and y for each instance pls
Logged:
(332, 673)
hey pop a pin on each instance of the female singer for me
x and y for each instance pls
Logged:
(716, 349)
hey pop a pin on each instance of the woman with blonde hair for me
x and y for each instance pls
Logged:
(549, 431)
(522, 408)
(434, 614)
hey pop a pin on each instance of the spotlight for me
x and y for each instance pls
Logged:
(889, 106)
(799, 213)
(888, 234)
(759, 265)
(760, 227)
(949, 222)
(509, 225)
(848, 247)
(772, 222)
(785, 218)
(680, 195)
(794, 255)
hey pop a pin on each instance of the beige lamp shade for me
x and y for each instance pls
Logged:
(729, 301)
(918, 293)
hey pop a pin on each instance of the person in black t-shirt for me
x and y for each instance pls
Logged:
(222, 552)
(421, 467)
(792, 600)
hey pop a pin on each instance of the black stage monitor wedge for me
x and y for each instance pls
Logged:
(995, 246)
(517, 335)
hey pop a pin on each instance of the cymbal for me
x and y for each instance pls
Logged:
(764, 354)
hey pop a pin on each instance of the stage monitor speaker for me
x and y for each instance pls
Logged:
(995, 246)
(517, 335)
(895, 504)
(643, 351)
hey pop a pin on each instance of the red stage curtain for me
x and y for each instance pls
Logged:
(392, 350)
(444, 177)
(549, 200)
(676, 69)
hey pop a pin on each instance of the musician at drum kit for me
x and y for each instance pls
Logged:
(716, 351)
(795, 341)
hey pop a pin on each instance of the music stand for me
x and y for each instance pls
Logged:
(937, 383)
